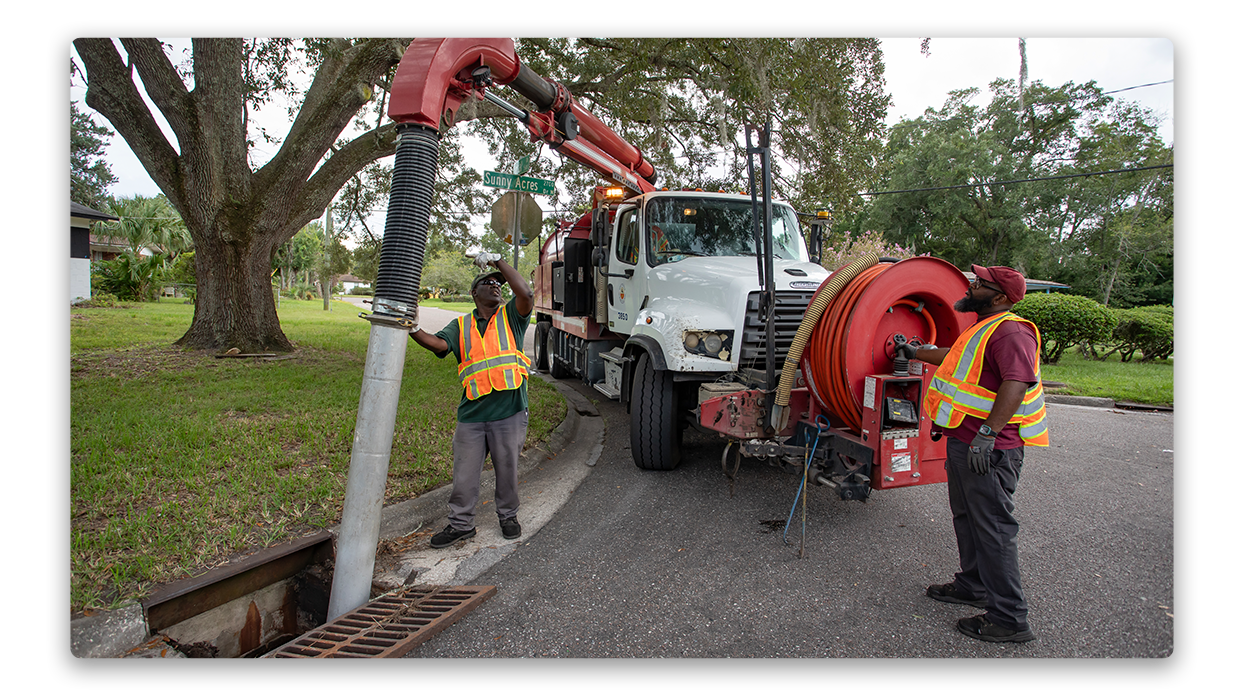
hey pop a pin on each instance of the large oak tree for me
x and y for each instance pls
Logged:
(238, 215)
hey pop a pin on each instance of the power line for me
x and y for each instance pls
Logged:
(1137, 87)
(1014, 181)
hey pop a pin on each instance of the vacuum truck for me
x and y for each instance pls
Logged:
(706, 310)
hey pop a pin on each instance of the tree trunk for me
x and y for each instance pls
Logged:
(234, 306)
(326, 292)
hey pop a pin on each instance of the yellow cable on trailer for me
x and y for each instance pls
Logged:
(824, 296)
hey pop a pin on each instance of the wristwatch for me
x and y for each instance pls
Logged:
(986, 431)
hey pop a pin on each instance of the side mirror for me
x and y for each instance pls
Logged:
(816, 236)
(600, 227)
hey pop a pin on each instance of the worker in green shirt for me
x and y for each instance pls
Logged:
(492, 416)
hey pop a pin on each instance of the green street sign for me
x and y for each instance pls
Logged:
(531, 185)
(523, 164)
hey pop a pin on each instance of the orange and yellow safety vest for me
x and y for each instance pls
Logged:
(492, 361)
(955, 392)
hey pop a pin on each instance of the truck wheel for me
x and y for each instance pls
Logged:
(654, 418)
(557, 369)
(542, 350)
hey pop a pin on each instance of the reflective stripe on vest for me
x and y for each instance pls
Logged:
(955, 392)
(492, 361)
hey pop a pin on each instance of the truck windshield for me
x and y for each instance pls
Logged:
(681, 227)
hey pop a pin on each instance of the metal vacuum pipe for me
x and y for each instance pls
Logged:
(770, 291)
(396, 305)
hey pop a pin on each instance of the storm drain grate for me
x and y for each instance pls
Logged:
(390, 625)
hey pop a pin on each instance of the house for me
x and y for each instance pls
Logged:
(82, 249)
(351, 282)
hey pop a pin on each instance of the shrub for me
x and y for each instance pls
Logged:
(1065, 321)
(1149, 330)
(99, 300)
(836, 253)
(362, 291)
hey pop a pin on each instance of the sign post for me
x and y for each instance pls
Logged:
(503, 218)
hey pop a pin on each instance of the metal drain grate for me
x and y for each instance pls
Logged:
(390, 625)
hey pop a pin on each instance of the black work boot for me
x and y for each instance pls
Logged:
(981, 628)
(949, 593)
(449, 536)
(510, 528)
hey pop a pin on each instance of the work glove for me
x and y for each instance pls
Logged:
(980, 452)
(484, 258)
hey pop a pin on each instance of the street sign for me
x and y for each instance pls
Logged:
(517, 210)
(523, 164)
(530, 185)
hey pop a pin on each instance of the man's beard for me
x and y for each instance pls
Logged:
(972, 304)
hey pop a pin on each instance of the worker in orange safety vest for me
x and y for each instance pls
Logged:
(986, 395)
(492, 414)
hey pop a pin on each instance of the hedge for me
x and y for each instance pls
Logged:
(1149, 330)
(1065, 321)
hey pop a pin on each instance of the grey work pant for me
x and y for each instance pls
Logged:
(982, 509)
(473, 441)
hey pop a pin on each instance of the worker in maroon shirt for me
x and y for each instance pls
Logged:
(986, 395)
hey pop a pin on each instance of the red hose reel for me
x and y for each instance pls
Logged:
(855, 336)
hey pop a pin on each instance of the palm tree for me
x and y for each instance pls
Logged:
(155, 235)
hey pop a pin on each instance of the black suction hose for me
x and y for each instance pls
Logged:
(406, 224)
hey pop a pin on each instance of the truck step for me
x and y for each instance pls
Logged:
(613, 356)
(611, 393)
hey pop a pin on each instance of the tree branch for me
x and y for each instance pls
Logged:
(344, 164)
(341, 87)
(111, 92)
(162, 83)
(218, 100)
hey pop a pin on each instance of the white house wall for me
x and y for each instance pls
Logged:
(79, 280)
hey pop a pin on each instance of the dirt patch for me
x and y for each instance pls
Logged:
(140, 361)
(133, 362)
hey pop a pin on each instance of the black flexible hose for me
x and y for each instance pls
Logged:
(406, 223)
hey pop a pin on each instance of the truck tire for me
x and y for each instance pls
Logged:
(557, 369)
(654, 418)
(542, 350)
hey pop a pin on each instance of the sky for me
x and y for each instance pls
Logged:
(917, 82)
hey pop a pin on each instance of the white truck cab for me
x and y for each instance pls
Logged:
(664, 299)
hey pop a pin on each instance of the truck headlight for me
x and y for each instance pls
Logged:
(714, 344)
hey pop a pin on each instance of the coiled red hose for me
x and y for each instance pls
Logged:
(826, 362)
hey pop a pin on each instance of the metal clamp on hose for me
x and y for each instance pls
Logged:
(393, 314)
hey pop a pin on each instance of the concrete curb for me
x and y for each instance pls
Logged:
(1079, 400)
(548, 474)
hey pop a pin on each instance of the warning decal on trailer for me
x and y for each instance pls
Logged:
(900, 462)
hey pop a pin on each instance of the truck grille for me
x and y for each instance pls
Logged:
(790, 307)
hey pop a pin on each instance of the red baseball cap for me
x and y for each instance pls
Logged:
(1010, 281)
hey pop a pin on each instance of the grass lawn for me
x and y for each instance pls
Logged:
(181, 461)
(1146, 383)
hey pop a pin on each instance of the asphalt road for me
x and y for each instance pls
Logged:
(644, 564)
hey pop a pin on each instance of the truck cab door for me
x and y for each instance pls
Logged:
(625, 288)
